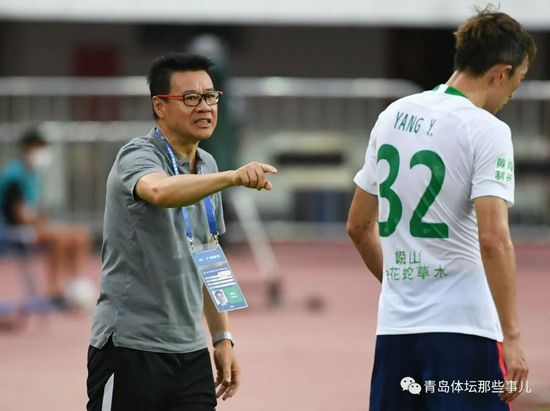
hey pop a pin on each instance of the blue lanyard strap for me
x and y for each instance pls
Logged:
(207, 200)
(211, 218)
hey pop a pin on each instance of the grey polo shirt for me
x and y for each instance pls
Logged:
(150, 291)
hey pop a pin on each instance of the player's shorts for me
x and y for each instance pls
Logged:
(437, 372)
(123, 379)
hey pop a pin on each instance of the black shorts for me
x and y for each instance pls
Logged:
(124, 379)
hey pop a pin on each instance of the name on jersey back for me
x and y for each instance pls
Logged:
(414, 124)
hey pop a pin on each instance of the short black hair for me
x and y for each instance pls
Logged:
(31, 138)
(491, 37)
(161, 69)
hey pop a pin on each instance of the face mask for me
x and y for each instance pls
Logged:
(40, 159)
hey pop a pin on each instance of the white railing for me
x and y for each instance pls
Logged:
(90, 118)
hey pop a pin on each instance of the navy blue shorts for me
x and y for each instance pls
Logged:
(437, 372)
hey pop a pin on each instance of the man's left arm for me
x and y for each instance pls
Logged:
(227, 368)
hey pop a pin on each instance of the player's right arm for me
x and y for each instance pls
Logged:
(362, 227)
(161, 190)
(497, 253)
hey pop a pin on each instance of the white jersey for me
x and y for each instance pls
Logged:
(429, 156)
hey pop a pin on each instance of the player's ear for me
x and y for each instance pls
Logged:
(499, 72)
(159, 106)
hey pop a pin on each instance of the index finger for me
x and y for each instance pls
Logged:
(222, 389)
(269, 168)
(520, 376)
(514, 389)
(231, 391)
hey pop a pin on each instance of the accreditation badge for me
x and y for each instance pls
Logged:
(218, 277)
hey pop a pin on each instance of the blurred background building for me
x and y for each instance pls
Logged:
(305, 81)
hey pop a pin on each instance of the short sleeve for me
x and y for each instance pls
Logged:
(135, 161)
(220, 221)
(217, 197)
(493, 167)
(366, 177)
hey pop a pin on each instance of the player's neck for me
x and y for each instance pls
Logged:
(472, 87)
(186, 149)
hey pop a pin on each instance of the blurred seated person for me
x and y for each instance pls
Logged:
(67, 246)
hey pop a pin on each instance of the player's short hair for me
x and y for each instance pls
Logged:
(491, 37)
(161, 69)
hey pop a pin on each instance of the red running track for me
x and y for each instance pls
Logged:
(295, 357)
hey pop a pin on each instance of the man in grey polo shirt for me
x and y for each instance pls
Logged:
(148, 349)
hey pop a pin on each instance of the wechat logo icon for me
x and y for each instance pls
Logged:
(409, 384)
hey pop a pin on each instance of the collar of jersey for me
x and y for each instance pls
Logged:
(449, 90)
(179, 160)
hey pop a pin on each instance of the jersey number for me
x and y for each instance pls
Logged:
(417, 227)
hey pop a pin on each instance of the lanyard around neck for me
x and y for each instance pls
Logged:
(185, 213)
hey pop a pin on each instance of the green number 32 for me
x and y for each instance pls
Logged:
(417, 227)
